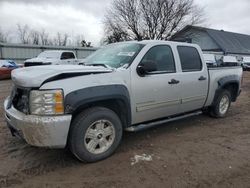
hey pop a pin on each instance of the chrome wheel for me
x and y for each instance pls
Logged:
(99, 137)
(224, 104)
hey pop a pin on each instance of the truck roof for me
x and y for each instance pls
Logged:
(162, 42)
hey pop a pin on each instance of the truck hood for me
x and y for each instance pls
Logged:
(37, 59)
(36, 76)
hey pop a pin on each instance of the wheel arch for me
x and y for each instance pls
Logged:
(114, 97)
(230, 83)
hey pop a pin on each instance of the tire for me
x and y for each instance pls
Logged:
(95, 134)
(220, 108)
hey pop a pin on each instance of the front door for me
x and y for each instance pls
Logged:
(156, 94)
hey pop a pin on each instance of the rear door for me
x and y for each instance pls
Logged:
(156, 95)
(193, 78)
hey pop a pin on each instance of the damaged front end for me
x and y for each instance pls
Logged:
(37, 130)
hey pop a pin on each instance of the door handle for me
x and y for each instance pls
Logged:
(173, 81)
(202, 78)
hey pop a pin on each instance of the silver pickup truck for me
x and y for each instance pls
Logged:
(124, 86)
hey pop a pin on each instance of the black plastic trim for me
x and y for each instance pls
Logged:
(232, 79)
(70, 75)
(81, 97)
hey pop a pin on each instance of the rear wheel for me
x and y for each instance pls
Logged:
(95, 134)
(221, 104)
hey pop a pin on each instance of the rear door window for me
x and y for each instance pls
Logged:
(190, 59)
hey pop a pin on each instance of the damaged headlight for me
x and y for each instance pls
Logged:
(46, 102)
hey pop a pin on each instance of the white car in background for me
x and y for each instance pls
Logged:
(230, 61)
(210, 60)
(53, 57)
(246, 63)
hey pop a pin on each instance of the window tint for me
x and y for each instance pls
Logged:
(163, 57)
(67, 55)
(190, 59)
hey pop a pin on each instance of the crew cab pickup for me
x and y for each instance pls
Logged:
(53, 57)
(123, 86)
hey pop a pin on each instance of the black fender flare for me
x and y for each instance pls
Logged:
(81, 97)
(222, 82)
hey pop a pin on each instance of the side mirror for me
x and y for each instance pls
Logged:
(146, 67)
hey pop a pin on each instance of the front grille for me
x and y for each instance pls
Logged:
(20, 99)
(29, 64)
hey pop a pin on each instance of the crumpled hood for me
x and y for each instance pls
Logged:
(37, 75)
(37, 59)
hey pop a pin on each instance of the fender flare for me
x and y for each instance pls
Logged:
(81, 97)
(232, 79)
(227, 80)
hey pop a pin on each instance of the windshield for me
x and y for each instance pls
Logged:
(115, 55)
(49, 55)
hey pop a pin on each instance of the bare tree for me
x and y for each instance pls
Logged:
(149, 19)
(61, 39)
(4, 37)
(44, 37)
(115, 32)
(34, 37)
(64, 39)
(23, 33)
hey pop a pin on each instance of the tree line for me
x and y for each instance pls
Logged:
(126, 20)
(26, 35)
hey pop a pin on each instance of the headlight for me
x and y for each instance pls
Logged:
(46, 102)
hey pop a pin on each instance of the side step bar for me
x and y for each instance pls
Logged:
(144, 126)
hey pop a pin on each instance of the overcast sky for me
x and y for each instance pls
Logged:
(85, 16)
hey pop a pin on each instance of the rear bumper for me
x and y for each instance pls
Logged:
(41, 131)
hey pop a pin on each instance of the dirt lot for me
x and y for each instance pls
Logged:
(196, 152)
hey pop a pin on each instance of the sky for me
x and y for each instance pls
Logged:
(85, 17)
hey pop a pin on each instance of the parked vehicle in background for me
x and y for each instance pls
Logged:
(6, 66)
(53, 57)
(230, 61)
(123, 86)
(210, 60)
(246, 63)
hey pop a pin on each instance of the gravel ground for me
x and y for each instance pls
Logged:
(195, 152)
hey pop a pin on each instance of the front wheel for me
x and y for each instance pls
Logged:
(95, 134)
(221, 104)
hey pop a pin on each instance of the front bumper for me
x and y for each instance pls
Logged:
(41, 131)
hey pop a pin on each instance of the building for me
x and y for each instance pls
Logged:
(20, 52)
(216, 41)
